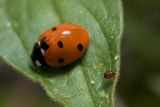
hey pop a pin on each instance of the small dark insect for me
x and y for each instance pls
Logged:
(109, 74)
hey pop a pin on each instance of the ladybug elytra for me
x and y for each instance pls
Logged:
(60, 45)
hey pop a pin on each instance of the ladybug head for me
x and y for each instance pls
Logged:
(37, 56)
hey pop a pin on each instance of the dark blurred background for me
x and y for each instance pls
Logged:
(139, 83)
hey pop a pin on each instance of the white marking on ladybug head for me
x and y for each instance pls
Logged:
(39, 43)
(38, 64)
(66, 32)
(42, 51)
(41, 48)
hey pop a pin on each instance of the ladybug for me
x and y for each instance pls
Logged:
(60, 45)
(109, 74)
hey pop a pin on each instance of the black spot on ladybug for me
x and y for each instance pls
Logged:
(80, 47)
(60, 60)
(43, 45)
(53, 29)
(60, 44)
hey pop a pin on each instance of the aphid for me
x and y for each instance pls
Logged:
(109, 74)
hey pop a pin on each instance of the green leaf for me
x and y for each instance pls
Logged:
(80, 84)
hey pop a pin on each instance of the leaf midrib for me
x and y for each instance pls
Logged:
(84, 75)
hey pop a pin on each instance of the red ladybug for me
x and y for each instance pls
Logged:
(60, 45)
(109, 74)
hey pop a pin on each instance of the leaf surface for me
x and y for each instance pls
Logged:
(80, 84)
